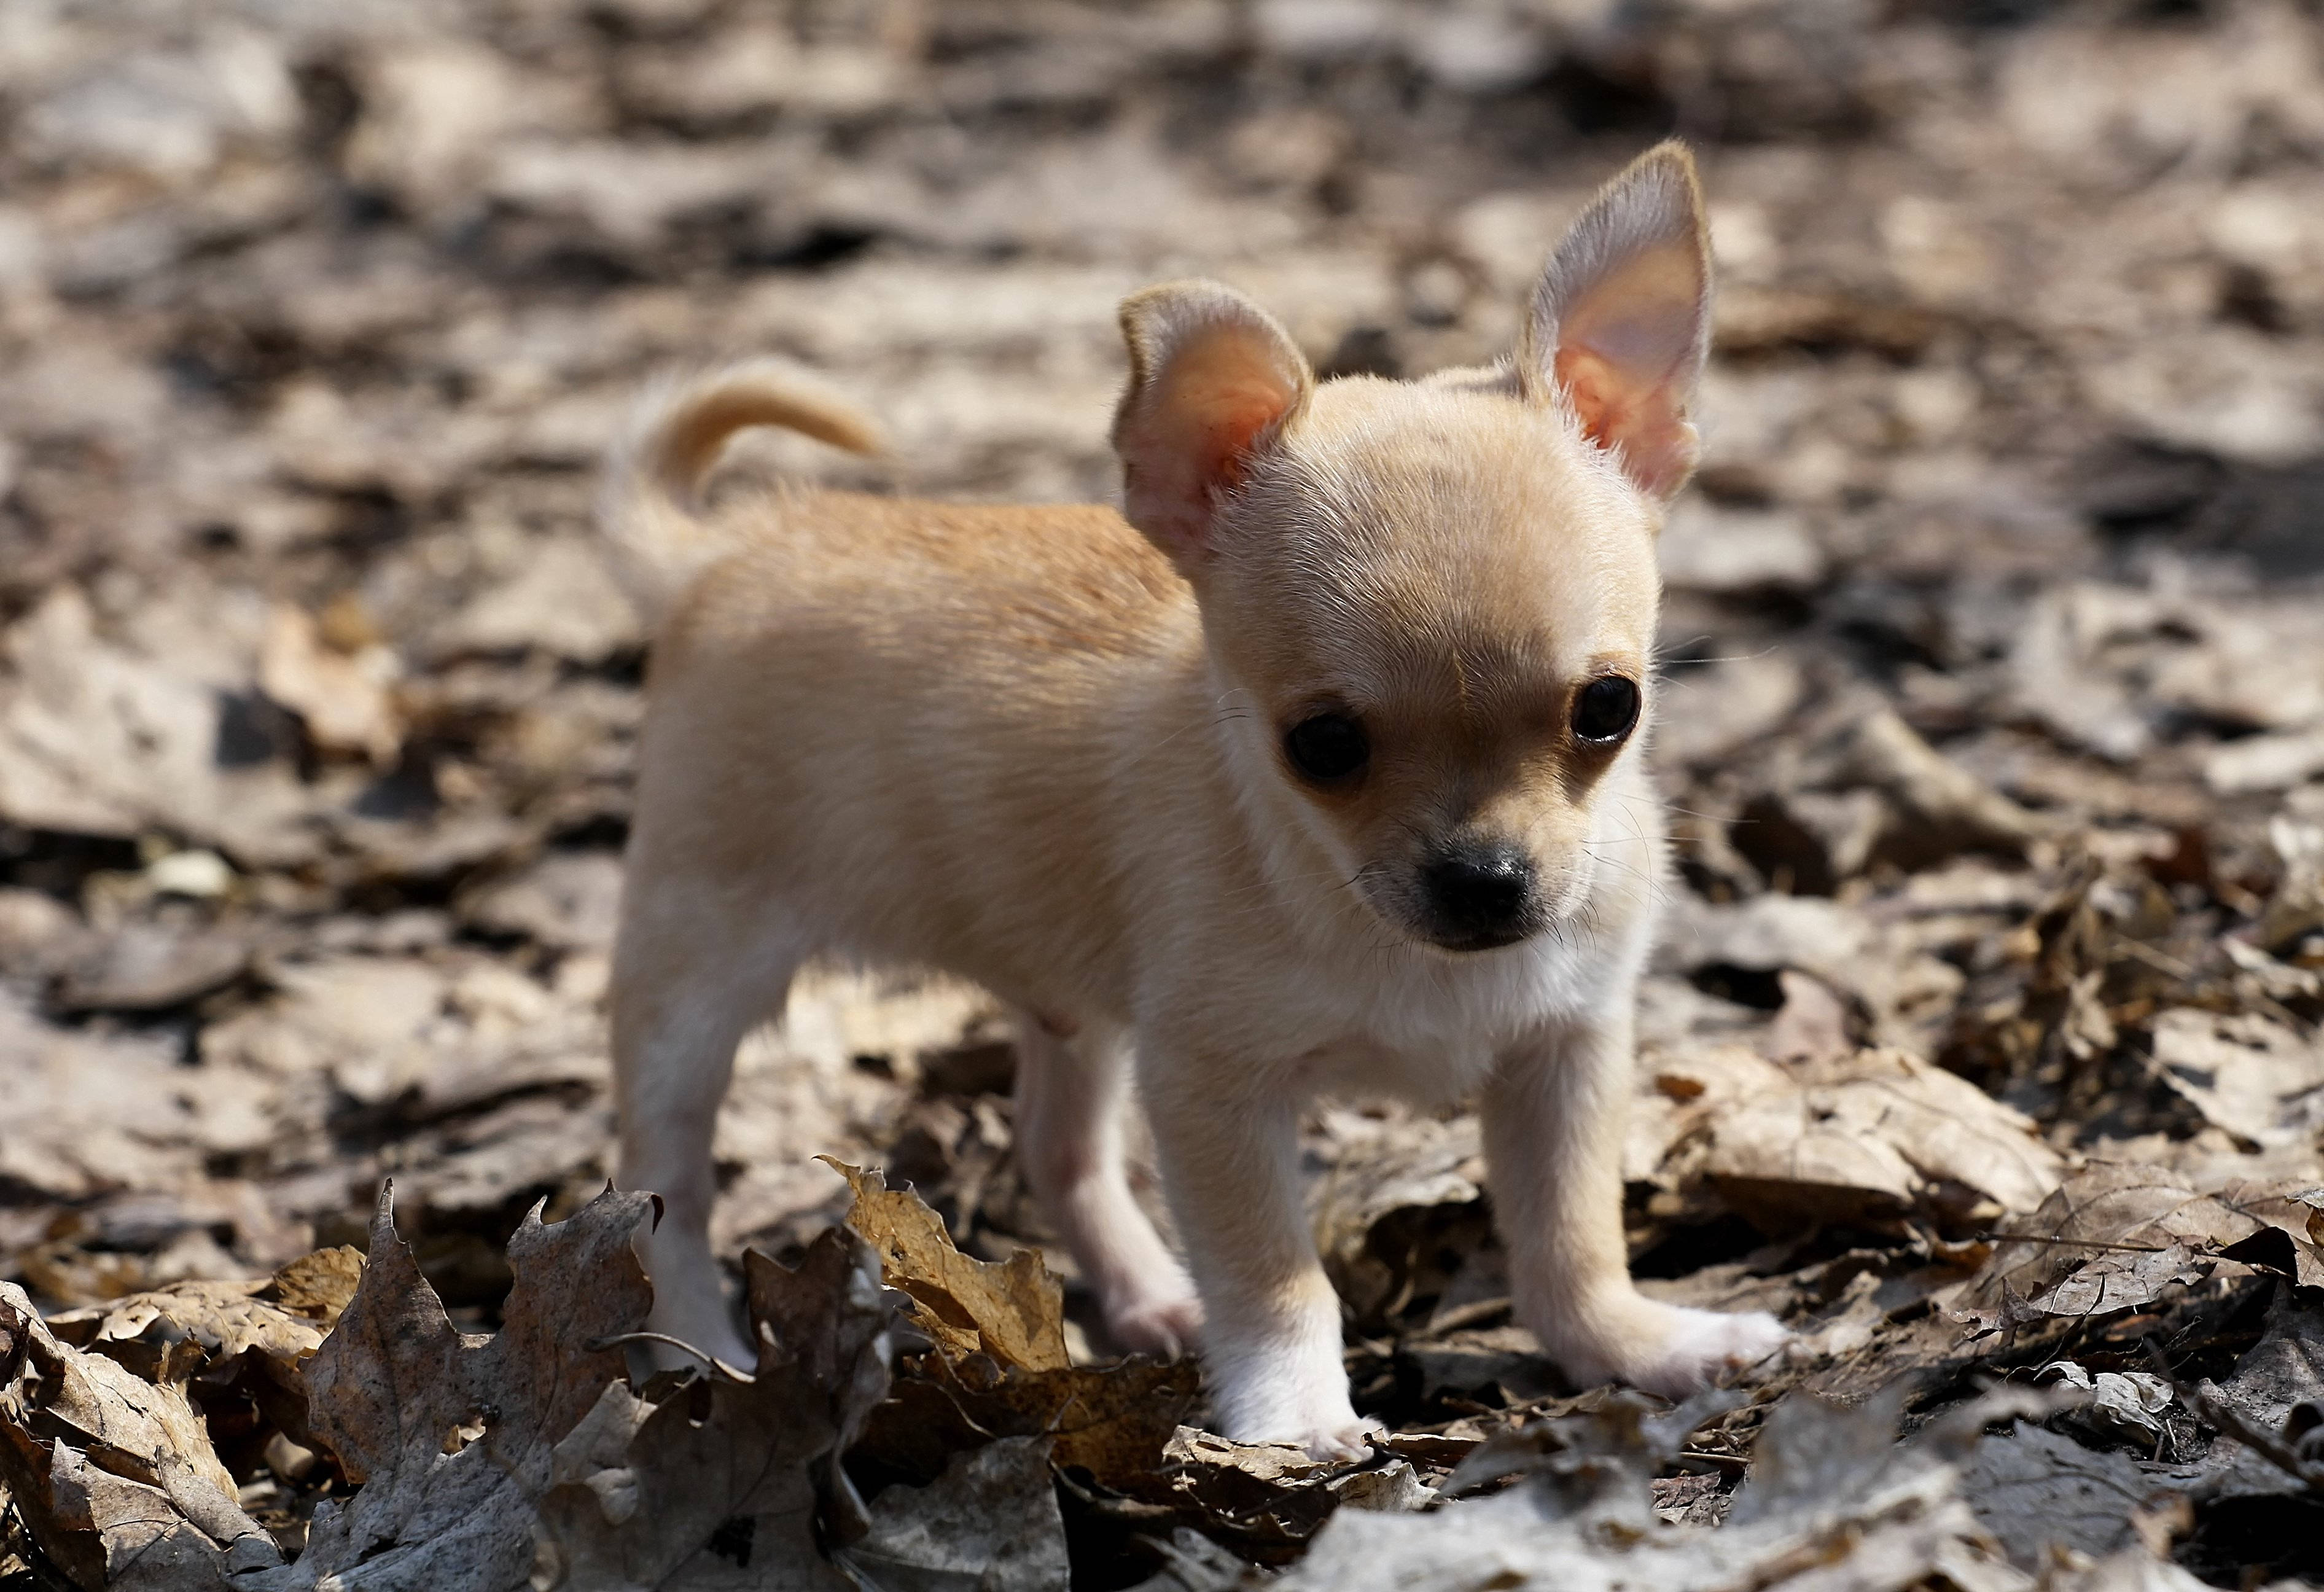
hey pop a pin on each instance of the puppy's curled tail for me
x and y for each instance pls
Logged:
(648, 507)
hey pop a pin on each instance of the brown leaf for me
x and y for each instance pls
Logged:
(400, 1397)
(657, 1495)
(1013, 1311)
(1399, 1195)
(1110, 1421)
(113, 1476)
(2115, 1235)
(1268, 1500)
(1871, 1137)
(257, 1336)
(178, 1331)
(990, 1520)
(2259, 1079)
(343, 698)
(1810, 1026)
(648, 1495)
(321, 1284)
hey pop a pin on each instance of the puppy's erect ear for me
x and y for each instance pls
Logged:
(1213, 381)
(1621, 321)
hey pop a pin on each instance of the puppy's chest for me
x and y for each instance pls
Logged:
(1437, 1034)
(1362, 1064)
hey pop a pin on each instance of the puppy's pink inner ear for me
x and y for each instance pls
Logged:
(1238, 412)
(1192, 434)
(1626, 363)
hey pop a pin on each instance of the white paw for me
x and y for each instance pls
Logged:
(1168, 1325)
(1331, 1437)
(1273, 1398)
(1342, 1444)
(1698, 1347)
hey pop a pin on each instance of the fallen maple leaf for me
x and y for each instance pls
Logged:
(451, 1435)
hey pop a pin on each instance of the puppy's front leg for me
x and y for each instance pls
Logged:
(1554, 1119)
(1230, 1164)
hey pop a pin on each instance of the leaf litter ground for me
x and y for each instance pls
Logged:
(1983, 1046)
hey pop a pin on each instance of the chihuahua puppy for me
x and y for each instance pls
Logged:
(1320, 768)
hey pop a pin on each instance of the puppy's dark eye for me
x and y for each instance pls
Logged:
(1606, 709)
(1327, 747)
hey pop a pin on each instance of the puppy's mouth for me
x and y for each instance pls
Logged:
(1494, 939)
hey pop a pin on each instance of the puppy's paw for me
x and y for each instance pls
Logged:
(1695, 1347)
(1167, 1325)
(1343, 1443)
(1298, 1407)
(1332, 1438)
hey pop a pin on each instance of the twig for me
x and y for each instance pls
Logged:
(2076, 1243)
(623, 1340)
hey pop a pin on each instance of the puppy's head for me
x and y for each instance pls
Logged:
(1435, 602)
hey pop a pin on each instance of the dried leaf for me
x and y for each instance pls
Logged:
(399, 1396)
(2259, 1079)
(1110, 1421)
(2126, 1405)
(2036, 1490)
(1399, 1196)
(1269, 1499)
(113, 1476)
(1871, 1137)
(343, 699)
(1842, 1508)
(988, 1524)
(690, 1494)
(2115, 1235)
(1013, 1311)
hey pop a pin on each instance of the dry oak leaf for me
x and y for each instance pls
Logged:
(1267, 1499)
(1397, 1195)
(1877, 1134)
(1111, 1420)
(2114, 1236)
(1834, 1505)
(1013, 1310)
(451, 1435)
(257, 1336)
(342, 697)
(114, 1477)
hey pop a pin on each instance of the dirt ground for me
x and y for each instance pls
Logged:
(1983, 1045)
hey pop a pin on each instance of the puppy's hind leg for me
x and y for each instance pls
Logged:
(694, 972)
(1070, 1097)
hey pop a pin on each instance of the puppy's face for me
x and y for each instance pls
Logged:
(1435, 602)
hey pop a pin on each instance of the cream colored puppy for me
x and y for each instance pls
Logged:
(1319, 770)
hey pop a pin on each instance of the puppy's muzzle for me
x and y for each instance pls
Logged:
(1479, 894)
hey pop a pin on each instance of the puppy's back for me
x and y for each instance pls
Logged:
(909, 719)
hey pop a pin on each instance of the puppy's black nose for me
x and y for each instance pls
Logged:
(1481, 894)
